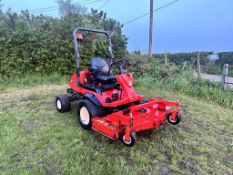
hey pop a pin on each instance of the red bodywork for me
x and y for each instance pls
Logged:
(125, 80)
(137, 117)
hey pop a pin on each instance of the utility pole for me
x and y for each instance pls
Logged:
(151, 27)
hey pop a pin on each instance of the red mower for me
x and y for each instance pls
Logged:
(108, 103)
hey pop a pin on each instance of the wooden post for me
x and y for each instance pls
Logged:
(184, 65)
(224, 74)
(198, 65)
(165, 59)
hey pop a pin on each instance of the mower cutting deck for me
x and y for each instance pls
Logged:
(108, 103)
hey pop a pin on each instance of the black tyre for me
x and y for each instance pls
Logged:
(174, 122)
(129, 143)
(62, 103)
(85, 111)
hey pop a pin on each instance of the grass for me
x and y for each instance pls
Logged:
(188, 85)
(15, 82)
(35, 139)
(179, 79)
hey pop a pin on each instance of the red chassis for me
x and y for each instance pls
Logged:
(137, 117)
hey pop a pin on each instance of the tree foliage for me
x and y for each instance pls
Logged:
(37, 43)
(225, 58)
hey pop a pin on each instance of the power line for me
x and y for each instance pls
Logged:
(45, 8)
(107, 1)
(51, 8)
(146, 14)
(48, 10)
(92, 2)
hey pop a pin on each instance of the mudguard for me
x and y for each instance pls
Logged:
(93, 99)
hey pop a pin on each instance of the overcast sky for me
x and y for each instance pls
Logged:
(188, 25)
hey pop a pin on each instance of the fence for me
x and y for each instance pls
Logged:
(225, 76)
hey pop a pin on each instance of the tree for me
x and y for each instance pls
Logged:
(37, 43)
(67, 7)
(225, 58)
(1, 13)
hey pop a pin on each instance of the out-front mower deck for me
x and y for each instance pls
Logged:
(108, 103)
(150, 115)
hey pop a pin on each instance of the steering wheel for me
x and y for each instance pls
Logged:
(119, 64)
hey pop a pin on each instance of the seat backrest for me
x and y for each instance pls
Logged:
(98, 66)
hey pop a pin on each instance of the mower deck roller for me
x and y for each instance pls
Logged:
(108, 103)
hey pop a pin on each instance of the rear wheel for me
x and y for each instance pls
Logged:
(62, 103)
(85, 111)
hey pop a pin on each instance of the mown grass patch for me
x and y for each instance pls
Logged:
(35, 139)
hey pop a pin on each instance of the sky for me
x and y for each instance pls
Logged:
(187, 25)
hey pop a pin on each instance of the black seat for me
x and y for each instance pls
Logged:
(106, 79)
(100, 71)
(110, 86)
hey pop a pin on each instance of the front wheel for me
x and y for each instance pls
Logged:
(85, 111)
(174, 122)
(129, 143)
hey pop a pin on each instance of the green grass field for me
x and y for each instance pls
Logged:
(36, 139)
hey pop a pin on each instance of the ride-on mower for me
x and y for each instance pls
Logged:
(108, 103)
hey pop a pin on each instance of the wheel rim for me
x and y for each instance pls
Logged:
(59, 104)
(170, 118)
(127, 142)
(84, 116)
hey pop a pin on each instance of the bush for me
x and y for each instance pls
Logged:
(42, 44)
(144, 65)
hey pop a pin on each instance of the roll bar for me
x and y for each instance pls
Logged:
(76, 46)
